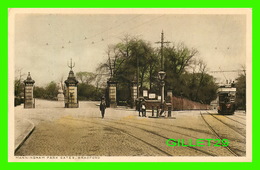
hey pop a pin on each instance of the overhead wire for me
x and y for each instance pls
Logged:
(87, 38)
(102, 39)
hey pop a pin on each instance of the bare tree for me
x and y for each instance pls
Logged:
(202, 71)
(178, 58)
(86, 77)
(18, 84)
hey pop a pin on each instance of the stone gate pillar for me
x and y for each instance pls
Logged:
(112, 93)
(71, 94)
(29, 101)
(133, 93)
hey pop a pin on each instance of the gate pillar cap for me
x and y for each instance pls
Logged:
(29, 79)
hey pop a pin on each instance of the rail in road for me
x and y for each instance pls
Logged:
(228, 125)
(148, 131)
(217, 134)
(152, 133)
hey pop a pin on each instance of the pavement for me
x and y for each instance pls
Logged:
(25, 123)
(23, 129)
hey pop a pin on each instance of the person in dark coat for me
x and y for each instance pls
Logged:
(102, 107)
(139, 107)
(161, 109)
(143, 109)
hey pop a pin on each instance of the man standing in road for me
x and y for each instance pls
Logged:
(102, 107)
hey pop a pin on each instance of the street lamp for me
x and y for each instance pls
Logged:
(161, 76)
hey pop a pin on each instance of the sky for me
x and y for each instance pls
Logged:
(45, 43)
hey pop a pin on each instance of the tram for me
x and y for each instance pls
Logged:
(226, 96)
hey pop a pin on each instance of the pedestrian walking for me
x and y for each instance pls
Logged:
(102, 107)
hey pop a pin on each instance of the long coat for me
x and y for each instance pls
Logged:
(102, 106)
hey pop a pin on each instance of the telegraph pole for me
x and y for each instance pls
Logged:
(162, 74)
(162, 42)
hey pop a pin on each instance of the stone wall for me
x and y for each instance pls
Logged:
(178, 103)
(185, 104)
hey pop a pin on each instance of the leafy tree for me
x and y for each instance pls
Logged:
(39, 92)
(241, 91)
(177, 60)
(207, 91)
(86, 77)
(18, 87)
(135, 58)
(189, 88)
(89, 92)
(51, 90)
(153, 69)
(127, 61)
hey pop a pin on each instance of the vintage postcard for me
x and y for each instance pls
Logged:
(130, 85)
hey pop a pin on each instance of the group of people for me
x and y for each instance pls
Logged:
(141, 108)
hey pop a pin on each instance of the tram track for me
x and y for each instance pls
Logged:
(148, 131)
(235, 120)
(127, 133)
(170, 130)
(155, 133)
(231, 127)
(240, 117)
(217, 135)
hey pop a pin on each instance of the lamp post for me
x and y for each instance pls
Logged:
(161, 76)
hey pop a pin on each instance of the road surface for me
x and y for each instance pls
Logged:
(80, 131)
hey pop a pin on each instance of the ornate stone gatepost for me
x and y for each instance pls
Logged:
(71, 94)
(133, 93)
(29, 101)
(112, 93)
(60, 94)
